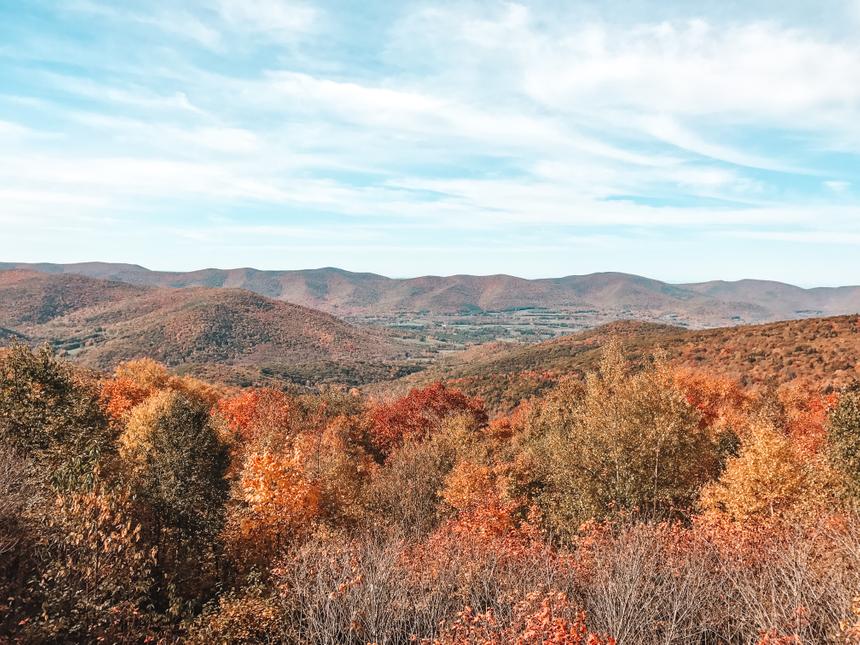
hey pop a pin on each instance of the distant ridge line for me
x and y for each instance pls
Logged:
(347, 293)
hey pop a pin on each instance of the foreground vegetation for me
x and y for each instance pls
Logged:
(647, 506)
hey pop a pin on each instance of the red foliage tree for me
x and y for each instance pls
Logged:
(119, 395)
(719, 400)
(806, 418)
(419, 414)
(251, 413)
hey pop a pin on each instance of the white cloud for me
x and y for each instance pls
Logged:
(742, 74)
(179, 23)
(480, 118)
(281, 17)
(399, 112)
(9, 130)
(838, 186)
(802, 237)
(11, 198)
(236, 140)
(136, 97)
(670, 131)
(169, 137)
(749, 71)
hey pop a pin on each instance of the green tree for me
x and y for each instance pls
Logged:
(628, 442)
(176, 462)
(176, 459)
(21, 498)
(405, 492)
(843, 434)
(51, 414)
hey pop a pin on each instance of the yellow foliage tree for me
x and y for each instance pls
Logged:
(772, 477)
(468, 486)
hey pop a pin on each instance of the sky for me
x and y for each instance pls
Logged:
(682, 140)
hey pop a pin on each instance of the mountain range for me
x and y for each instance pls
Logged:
(344, 293)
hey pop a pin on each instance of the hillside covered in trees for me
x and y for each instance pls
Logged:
(646, 505)
(229, 335)
(819, 354)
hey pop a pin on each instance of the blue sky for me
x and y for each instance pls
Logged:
(679, 140)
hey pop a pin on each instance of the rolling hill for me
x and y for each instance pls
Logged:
(819, 352)
(30, 298)
(618, 295)
(225, 334)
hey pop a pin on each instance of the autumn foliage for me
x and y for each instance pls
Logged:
(634, 505)
(418, 414)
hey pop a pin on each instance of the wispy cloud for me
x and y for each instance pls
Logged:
(10, 130)
(851, 238)
(171, 21)
(475, 120)
(839, 187)
(284, 18)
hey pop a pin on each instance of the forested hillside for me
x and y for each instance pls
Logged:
(819, 354)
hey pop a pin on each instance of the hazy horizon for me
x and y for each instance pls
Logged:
(424, 275)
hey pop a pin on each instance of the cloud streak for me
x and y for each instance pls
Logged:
(498, 120)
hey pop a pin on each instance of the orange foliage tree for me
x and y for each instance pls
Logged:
(97, 583)
(720, 401)
(135, 381)
(806, 415)
(417, 519)
(469, 485)
(252, 414)
(276, 505)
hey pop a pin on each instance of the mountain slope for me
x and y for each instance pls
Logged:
(29, 297)
(616, 294)
(818, 352)
(784, 300)
(221, 333)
